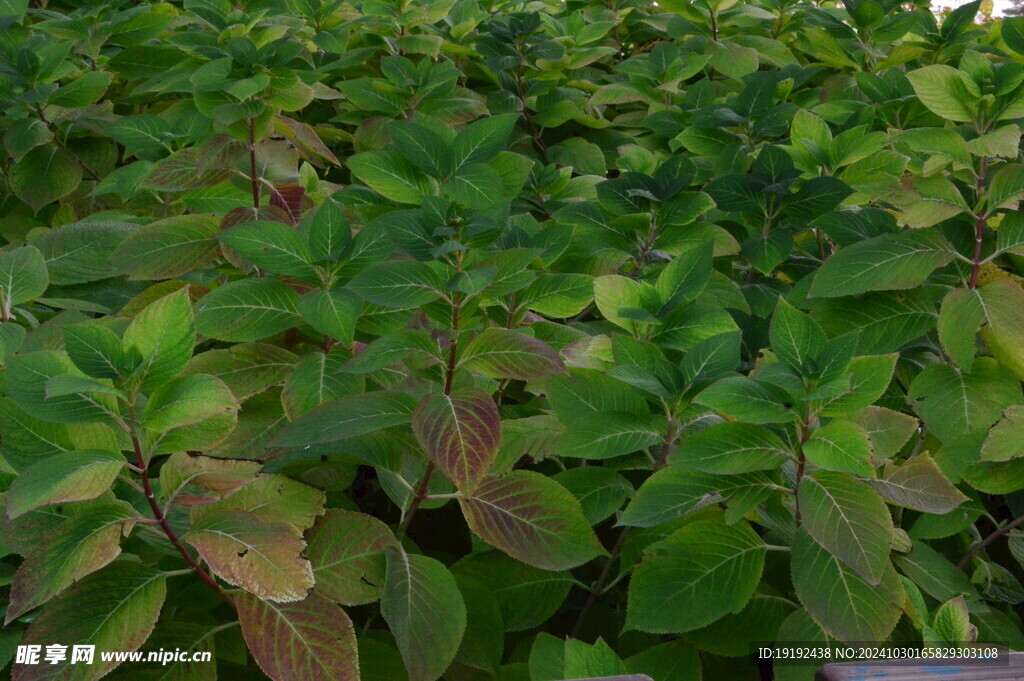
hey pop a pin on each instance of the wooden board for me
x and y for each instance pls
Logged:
(924, 670)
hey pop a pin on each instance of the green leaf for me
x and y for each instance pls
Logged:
(274, 247)
(616, 295)
(918, 483)
(603, 435)
(843, 603)
(474, 185)
(935, 575)
(483, 643)
(82, 252)
(28, 375)
(848, 519)
(1006, 187)
(683, 279)
(796, 338)
(891, 261)
(68, 552)
(482, 140)
(163, 334)
(187, 400)
(888, 430)
(502, 353)
(746, 400)
(869, 377)
(317, 379)
(332, 313)
(71, 476)
(675, 492)
(308, 639)
(388, 173)
(698, 574)
(1012, 31)
(170, 247)
(425, 611)
(346, 550)
(932, 200)
(115, 609)
(95, 350)
(25, 135)
(142, 135)
(1003, 331)
(840, 446)
(82, 91)
(1002, 142)
(23, 277)
(247, 310)
(884, 321)
(60, 386)
(262, 557)
(599, 490)
(730, 448)
(27, 438)
(558, 295)
(421, 146)
(953, 403)
(246, 368)
(944, 90)
(459, 433)
(527, 596)
(1002, 443)
(348, 417)
(533, 519)
(329, 233)
(401, 284)
(45, 174)
(586, 392)
(961, 314)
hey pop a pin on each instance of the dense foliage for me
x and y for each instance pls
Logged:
(507, 341)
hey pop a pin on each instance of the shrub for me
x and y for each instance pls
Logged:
(508, 341)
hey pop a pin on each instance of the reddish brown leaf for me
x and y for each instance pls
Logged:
(301, 641)
(289, 198)
(533, 519)
(260, 557)
(460, 433)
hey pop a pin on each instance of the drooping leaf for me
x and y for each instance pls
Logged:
(844, 604)
(425, 611)
(919, 483)
(73, 549)
(114, 609)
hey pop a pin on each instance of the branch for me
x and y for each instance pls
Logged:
(161, 519)
(977, 548)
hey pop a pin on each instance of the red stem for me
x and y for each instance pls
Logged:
(252, 164)
(979, 226)
(161, 519)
